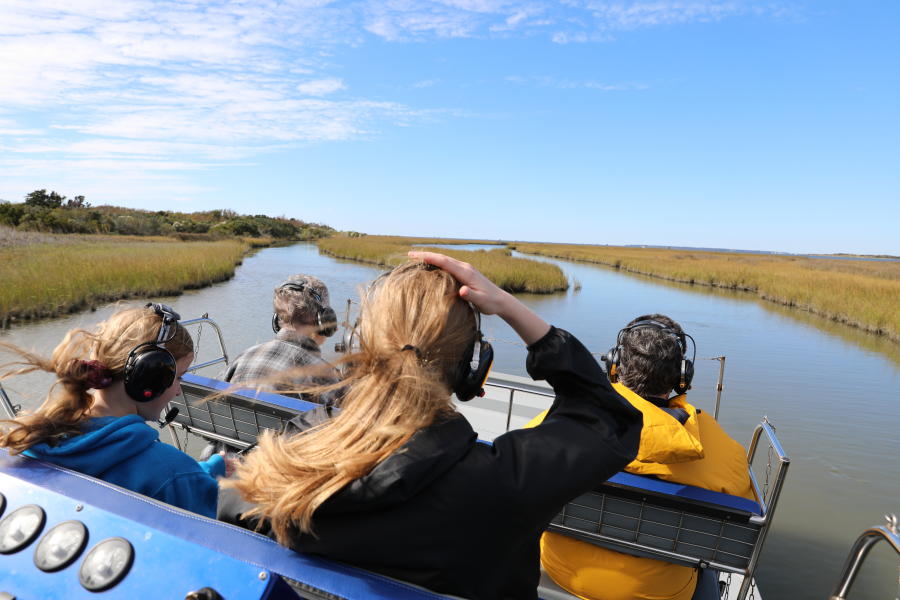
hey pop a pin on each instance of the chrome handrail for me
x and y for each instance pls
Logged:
(767, 504)
(224, 356)
(9, 408)
(867, 539)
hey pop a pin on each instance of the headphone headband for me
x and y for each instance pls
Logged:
(326, 318)
(170, 319)
(614, 356)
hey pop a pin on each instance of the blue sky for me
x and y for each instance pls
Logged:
(742, 124)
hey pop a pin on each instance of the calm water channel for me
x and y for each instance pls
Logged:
(829, 391)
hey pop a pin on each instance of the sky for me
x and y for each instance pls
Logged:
(761, 125)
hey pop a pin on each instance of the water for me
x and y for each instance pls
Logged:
(827, 391)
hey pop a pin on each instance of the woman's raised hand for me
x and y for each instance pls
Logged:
(487, 297)
(476, 288)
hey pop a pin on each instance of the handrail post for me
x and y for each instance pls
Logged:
(719, 385)
(860, 549)
(8, 407)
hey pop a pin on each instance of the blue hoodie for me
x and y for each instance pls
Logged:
(127, 452)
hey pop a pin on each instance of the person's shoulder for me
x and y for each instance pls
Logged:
(171, 461)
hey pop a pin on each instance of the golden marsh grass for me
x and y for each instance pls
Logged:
(52, 277)
(511, 274)
(864, 294)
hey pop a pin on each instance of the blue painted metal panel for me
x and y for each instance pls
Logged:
(175, 550)
(165, 566)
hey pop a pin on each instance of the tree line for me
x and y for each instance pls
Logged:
(54, 213)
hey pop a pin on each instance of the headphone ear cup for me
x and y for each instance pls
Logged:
(276, 326)
(470, 382)
(149, 371)
(688, 375)
(327, 320)
(611, 360)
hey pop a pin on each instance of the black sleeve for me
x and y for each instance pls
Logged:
(231, 507)
(589, 434)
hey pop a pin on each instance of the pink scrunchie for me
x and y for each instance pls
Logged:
(98, 376)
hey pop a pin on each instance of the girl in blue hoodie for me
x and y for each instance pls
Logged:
(109, 383)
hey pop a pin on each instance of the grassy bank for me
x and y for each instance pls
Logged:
(863, 294)
(511, 274)
(47, 275)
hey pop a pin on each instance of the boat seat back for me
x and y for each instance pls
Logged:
(648, 517)
(236, 418)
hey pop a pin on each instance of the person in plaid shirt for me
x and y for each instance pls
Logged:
(302, 321)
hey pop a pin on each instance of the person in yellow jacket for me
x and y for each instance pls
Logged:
(679, 443)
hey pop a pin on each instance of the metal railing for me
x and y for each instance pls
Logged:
(768, 496)
(888, 532)
(200, 322)
(6, 404)
(498, 380)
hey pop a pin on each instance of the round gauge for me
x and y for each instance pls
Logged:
(20, 527)
(106, 564)
(60, 546)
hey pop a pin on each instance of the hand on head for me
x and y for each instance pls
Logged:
(487, 297)
(476, 288)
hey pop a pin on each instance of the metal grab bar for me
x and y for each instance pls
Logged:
(8, 407)
(766, 504)
(221, 359)
(861, 547)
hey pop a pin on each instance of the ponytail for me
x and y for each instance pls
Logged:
(68, 401)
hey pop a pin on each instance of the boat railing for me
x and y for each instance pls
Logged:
(888, 532)
(10, 409)
(221, 355)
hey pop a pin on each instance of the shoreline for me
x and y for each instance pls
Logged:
(760, 294)
(513, 274)
(107, 274)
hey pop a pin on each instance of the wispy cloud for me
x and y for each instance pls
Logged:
(321, 87)
(425, 83)
(554, 82)
(141, 86)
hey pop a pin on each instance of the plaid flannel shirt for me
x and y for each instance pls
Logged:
(287, 351)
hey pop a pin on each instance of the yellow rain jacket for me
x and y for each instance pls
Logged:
(697, 453)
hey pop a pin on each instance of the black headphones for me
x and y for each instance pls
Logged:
(150, 369)
(326, 318)
(473, 369)
(612, 358)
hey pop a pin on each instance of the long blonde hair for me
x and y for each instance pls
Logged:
(391, 394)
(67, 403)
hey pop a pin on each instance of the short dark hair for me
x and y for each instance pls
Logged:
(650, 357)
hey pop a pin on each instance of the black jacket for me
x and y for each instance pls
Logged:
(464, 518)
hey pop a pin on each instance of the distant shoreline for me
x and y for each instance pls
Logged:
(50, 276)
(860, 294)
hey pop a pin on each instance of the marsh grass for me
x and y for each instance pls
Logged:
(49, 277)
(864, 294)
(511, 274)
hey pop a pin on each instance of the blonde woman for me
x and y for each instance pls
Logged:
(109, 382)
(397, 482)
